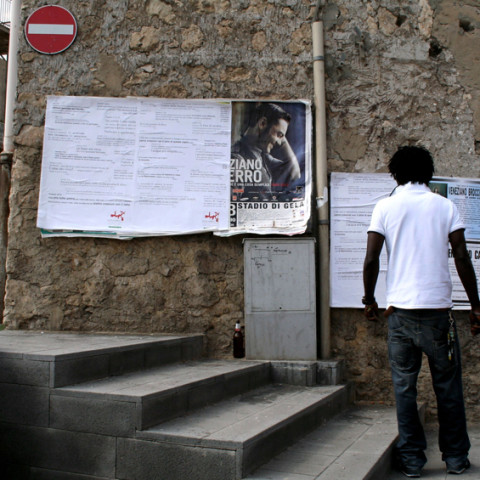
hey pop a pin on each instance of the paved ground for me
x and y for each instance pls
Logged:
(435, 468)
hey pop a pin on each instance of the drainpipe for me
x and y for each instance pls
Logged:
(12, 73)
(321, 181)
(7, 154)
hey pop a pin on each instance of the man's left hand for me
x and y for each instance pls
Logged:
(371, 312)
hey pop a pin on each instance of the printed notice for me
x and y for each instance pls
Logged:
(135, 166)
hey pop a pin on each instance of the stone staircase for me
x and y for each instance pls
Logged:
(105, 407)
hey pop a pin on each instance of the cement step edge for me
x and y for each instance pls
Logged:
(357, 444)
(253, 440)
(138, 400)
(79, 367)
(57, 359)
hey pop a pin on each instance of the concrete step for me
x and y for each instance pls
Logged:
(117, 407)
(355, 445)
(235, 436)
(135, 401)
(55, 360)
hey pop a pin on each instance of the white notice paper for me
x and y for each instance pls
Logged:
(135, 166)
(352, 199)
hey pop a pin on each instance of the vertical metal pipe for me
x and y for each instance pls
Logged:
(12, 74)
(7, 154)
(322, 185)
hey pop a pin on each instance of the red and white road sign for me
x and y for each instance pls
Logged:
(50, 29)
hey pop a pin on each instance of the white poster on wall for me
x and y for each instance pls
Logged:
(352, 198)
(130, 167)
(133, 166)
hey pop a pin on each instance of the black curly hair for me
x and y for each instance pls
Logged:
(411, 164)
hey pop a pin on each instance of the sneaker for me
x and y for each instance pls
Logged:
(458, 469)
(410, 472)
(411, 467)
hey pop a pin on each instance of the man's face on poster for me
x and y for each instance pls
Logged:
(272, 134)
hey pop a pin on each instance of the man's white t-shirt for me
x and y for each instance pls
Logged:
(416, 224)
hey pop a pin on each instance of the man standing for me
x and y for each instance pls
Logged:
(417, 226)
(253, 168)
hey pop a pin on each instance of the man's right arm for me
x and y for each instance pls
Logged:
(371, 268)
(466, 272)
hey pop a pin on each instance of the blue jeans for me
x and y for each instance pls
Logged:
(411, 332)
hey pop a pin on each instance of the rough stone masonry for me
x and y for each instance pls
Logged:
(397, 71)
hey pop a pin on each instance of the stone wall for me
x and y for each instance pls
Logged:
(397, 72)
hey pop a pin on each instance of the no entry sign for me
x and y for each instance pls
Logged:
(50, 29)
